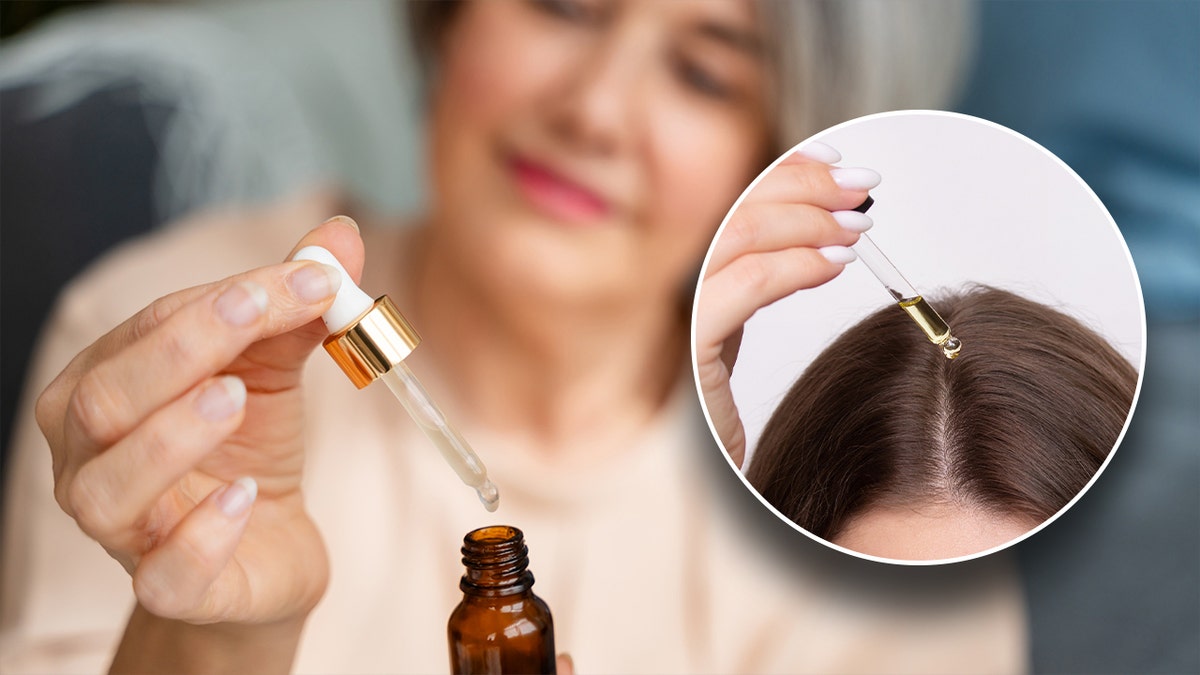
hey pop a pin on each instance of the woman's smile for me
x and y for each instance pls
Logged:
(556, 195)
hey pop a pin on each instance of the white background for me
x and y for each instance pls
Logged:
(962, 201)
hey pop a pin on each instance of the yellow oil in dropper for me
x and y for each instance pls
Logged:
(934, 327)
(918, 309)
(369, 340)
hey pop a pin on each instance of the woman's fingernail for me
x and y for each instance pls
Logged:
(346, 220)
(853, 221)
(820, 152)
(838, 255)
(221, 398)
(242, 303)
(314, 282)
(237, 497)
(855, 178)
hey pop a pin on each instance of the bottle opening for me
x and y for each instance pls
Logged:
(494, 534)
(496, 561)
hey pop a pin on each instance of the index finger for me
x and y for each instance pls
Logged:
(164, 350)
(195, 342)
(338, 234)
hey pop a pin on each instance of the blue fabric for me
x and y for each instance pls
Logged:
(1113, 89)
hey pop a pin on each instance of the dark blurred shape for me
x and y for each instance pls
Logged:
(120, 117)
(1113, 89)
(17, 15)
(72, 184)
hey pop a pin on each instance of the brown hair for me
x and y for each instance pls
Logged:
(1017, 425)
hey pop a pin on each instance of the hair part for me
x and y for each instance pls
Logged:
(1017, 425)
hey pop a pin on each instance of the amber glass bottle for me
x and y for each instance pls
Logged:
(500, 626)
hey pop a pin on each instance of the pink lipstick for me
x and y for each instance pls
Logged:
(556, 195)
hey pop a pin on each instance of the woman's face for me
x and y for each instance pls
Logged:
(585, 151)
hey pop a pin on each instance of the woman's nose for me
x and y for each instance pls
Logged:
(594, 106)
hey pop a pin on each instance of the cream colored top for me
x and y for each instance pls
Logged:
(652, 559)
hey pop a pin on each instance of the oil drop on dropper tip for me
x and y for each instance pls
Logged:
(369, 340)
(918, 309)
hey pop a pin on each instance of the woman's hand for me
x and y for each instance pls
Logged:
(790, 233)
(177, 441)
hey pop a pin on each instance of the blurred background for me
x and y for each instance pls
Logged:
(118, 118)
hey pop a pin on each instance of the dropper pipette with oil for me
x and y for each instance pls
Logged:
(911, 301)
(369, 340)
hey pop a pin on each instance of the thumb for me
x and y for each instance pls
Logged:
(339, 235)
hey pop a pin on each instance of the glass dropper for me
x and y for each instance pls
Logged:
(369, 340)
(454, 448)
(918, 309)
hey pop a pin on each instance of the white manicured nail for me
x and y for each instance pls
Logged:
(820, 152)
(838, 255)
(853, 221)
(855, 178)
(238, 497)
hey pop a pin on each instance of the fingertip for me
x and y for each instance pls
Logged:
(174, 580)
(853, 221)
(820, 152)
(856, 179)
(345, 220)
(221, 399)
(340, 236)
(237, 498)
(236, 388)
(838, 255)
(316, 282)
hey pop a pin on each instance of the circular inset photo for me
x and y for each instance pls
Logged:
(919, 337)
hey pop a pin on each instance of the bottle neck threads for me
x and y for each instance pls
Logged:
(497, 562)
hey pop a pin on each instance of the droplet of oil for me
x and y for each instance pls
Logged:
(489, 495)
(951, 347)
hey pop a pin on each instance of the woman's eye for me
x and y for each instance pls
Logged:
(570, 10)
(702, 81)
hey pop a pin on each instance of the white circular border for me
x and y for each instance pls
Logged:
(1128, 418)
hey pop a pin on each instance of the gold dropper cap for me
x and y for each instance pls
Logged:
(373, 344)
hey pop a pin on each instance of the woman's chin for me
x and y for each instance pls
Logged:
(558, 277)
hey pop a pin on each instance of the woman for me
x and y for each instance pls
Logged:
(581, 156)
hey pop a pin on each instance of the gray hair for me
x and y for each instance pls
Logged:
(835, 60)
